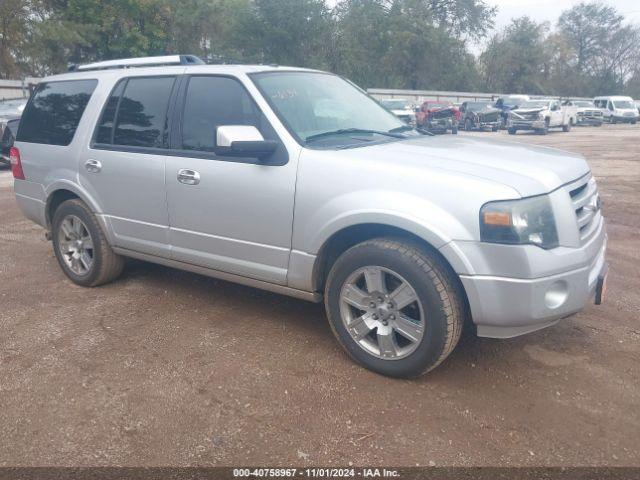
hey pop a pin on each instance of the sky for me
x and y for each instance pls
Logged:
(549, 11)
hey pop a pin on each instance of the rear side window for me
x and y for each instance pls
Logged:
(105, 127)
(53, 114)
(136, 113)
(211, 102)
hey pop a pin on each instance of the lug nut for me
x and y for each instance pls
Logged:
(392, 317)
(390, 305)
(375, 317)
(372, 305)
(385, 323)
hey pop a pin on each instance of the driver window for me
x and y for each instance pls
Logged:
(211, 102)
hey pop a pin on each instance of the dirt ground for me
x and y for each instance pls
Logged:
(170, 368)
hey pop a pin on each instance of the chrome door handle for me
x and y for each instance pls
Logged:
(188, 177)
(93, 166)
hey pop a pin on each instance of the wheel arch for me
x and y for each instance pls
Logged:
(60, 192)
(346, 237)
(350, 236)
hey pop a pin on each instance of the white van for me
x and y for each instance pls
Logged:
(618, 109)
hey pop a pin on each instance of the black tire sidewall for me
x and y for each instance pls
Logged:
(433, 342)
(73, 208)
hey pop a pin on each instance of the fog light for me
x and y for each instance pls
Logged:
(556, 294)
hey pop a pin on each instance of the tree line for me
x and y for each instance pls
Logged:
(409, 44)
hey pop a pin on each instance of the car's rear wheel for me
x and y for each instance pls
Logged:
(566, 128)
(81, 246)
(512, 131)
(394, 307)
(468, 125)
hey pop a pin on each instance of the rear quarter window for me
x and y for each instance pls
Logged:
(53, 114)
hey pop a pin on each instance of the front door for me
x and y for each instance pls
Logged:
(124, 169)
(228, 213)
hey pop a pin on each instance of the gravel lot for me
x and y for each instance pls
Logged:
(170, 368)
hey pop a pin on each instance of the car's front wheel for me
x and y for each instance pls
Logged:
(394, 306)
(81, 247)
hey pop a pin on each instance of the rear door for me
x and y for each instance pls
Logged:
(124, 168)
(237, 217)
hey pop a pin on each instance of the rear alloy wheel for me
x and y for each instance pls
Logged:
(394, 307)
(81, 247)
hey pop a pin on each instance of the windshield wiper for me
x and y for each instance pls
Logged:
(352, 130)
(406, 128)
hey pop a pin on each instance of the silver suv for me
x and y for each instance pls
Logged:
(296, 181)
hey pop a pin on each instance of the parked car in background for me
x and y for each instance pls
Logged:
(438, 117)
(506, 104)
(12, 108)
(618, 109)
(8, 130)
(541, 115)
(401, 108)
(587, 114)
(232, 171)
(479, 116)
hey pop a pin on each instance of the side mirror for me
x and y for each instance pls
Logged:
(243, 141)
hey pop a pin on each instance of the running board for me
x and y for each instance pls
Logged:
(229, 277)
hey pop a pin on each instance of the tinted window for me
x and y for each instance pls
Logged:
(141, 119)
(53, 114)
(211, 102)
(104, 133)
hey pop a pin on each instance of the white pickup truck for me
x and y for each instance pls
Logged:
(541, 115)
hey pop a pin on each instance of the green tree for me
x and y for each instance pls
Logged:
(515, 59)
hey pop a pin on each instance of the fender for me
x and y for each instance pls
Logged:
(390, 209)
(64, 184)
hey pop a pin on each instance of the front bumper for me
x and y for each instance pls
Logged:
(503, 306)
(588, 121)
(526, 124)
(625, 119)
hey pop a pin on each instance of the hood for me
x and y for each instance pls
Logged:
(529, 169)
(403, 111)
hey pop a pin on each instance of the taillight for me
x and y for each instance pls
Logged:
(16, 164)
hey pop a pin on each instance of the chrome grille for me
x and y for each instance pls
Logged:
(586, 203)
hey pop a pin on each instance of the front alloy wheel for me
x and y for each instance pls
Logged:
(382, 313)
(394, 306)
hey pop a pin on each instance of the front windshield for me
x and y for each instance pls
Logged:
(478, 105)
(394, 104)
(583, 103)
(623, 104)
(318, 105)
(534, 104)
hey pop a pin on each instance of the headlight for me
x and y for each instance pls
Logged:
(519, 222)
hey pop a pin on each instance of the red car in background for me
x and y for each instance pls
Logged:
(437, 116)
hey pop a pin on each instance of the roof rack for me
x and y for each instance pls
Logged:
(139, 62)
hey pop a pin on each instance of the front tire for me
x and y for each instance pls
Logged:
(394, 307)
(81, 246)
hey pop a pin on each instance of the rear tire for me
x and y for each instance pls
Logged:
(512, 131)
(81, 246)
(468, 125)
(454, 130)
(366, 297)
(566, 128)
